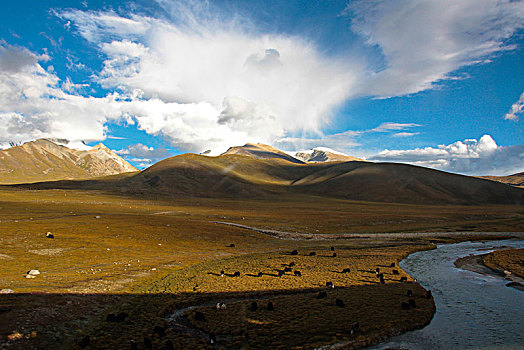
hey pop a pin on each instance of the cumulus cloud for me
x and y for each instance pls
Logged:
(246, 86)
(516, 109)
(142, 151)
(143, 155)
(471, 157)
(424, 42)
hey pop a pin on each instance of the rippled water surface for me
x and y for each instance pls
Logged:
(473, 311)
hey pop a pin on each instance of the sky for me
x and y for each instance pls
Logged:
(435, 83)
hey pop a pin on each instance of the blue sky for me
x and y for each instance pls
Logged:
(434, 83)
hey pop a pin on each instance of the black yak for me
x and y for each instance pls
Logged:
(270, 306)
(254, 306)
(312, 254)
(403, 279)
(339, 303)
(412, 303)
(395, 272)
(160, 331)
(410, 293)
(199, 316)
(321, 295)
(404, 306)
(297, 273)
(294, 252)
(346, 271)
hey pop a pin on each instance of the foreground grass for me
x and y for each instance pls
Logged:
(148, 258)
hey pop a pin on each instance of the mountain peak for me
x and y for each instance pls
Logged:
(324, 154)
(261, 151)
(53, 159)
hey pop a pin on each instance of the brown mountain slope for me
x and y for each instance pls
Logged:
(261, 151)
(45, 160)
(516, 180)
(235, 176)
(393, 182)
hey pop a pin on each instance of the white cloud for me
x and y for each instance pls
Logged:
(516, 109)
(423, 42)
(143, 153)
(392, 126)
(219, 82)
(405, 134)
(469, 157)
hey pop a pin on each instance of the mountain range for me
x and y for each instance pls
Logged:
(259, 171)
(51, 159)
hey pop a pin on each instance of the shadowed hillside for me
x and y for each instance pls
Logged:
(516, 180)
(261, 151)
(236, 176)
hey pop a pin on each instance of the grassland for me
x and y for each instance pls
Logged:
(149, 258)
(508, 259)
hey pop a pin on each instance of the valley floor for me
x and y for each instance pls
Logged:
(148, 258)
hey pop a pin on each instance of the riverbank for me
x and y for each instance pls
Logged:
(485, 264)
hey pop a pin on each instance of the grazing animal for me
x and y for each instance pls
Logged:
(212, 338)
(260, 274)
(346, 271)
(236, 274)
(412, 303)
(428, 295)
(404, 306)
(223, 306)
(270, 306)
(355, 328)
(332, 248)
(169, 345)
(160, 331)
(395, 272)
(111, 318)
(312, 254)
(199, 316)
(334, 255)
(291, 264)
(321, 295)
(147, 343)
(377, 270)
(380, 275)
(222, 273)
(254, 306)
(217, 306)
(133, 345)
(297, 273)
(49, 235)
(382, 280)
(330, 284)
(339, 303)
(121, 317)
(410, 293)
(288, 269)
(294, 252)
(232, 245)
(392, 265)
(85, 341)
(280, 273)
(403, 279)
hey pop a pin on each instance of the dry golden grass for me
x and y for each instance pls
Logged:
(508, 259)
(165, 256)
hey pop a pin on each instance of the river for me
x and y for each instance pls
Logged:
(474, 311)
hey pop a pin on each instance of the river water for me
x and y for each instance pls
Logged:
(474, 311)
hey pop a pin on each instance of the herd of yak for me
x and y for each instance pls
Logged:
(200, 316)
